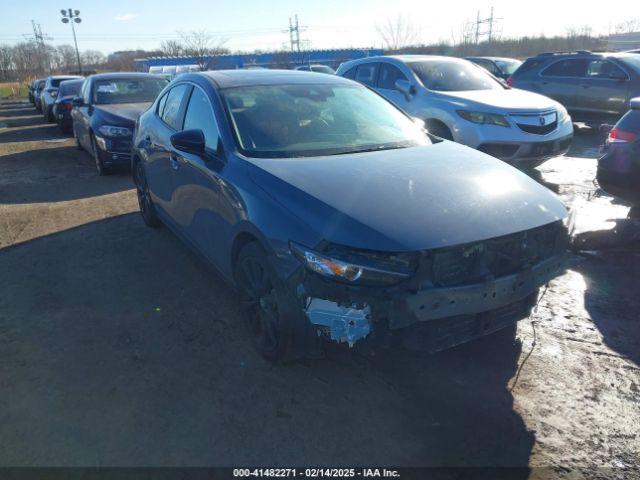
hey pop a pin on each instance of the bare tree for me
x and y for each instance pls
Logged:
(67, 57)
(172, 48)
(398, 33)
(7, 71)
(628, 26)
(200, 44)
(92, 58)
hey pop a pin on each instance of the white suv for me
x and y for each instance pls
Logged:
(460, 101)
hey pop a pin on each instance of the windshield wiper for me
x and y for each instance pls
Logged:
(370, 149)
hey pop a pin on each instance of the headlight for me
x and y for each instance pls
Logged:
(484, 118)
(112, 131)
(361, 268)
(562, 114)
(54, 94)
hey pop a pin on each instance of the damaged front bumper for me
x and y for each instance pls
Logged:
(450, 315)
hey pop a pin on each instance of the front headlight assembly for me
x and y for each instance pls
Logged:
(113, 131)
(357, 267)
(484, 118)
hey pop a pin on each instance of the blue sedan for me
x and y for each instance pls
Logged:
(339, 218)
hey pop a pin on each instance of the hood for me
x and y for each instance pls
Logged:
(509, 100)
(408, 199)
(124, 111)
(65, 99)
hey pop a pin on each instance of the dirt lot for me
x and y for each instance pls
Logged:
(118, 347)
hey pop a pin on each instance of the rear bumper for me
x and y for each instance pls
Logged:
(619, 172)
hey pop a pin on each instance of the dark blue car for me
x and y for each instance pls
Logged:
(105, 112)
(63, 105)
(337, 216)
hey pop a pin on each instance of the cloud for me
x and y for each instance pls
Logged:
(125, 17)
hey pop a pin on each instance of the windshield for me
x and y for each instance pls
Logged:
(508, 66)
(453, 76)
(55, 82)
(69, 88)
(315, 120)
(631, 60)
(128, 90)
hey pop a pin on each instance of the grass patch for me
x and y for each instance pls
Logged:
(13, 89)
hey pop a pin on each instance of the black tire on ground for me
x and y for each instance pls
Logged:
(147, 209)
(273, 316)
(439, 129)
(100, 167)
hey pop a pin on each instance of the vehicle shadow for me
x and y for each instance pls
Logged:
(54, 174)
(121, 348)
(611, 298)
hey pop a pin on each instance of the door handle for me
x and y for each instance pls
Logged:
(173, 159)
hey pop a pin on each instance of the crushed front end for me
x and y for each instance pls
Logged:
(436, 298)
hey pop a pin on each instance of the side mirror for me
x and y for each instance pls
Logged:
(190, 141)
(406, 88)
(77, 102)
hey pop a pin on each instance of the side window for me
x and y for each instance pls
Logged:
(389, 75)
(351, 73)
(200, 116)
(566, 68)
(366, 73)
(604, 69)
(161, 103)
(171, 111)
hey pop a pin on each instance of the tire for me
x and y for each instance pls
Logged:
(100, 168)
(48, 116)
(147, 209)
(439, 129)
(273, 316)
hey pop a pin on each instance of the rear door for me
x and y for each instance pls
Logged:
(560, 81)
(604, 89)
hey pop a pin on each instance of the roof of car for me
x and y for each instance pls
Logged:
(59, 77)
(494, 59)
(117, 75)
(246, 78)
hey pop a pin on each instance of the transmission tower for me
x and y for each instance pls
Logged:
(486, 27)
(294, 34)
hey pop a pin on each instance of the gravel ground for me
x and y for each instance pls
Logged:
(119, 347)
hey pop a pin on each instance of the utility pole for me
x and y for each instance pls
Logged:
(39, 38)
(491, 22)
(294, 33)
(72, 16)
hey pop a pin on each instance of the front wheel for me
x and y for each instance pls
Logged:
(273, 317)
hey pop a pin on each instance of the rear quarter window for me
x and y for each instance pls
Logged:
(529, 65)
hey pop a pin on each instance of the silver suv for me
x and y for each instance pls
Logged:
(460, 101)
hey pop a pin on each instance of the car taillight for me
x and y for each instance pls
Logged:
(621, 136)
(68, 106)
(510, 81)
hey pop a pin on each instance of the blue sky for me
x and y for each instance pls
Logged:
(110, 25)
